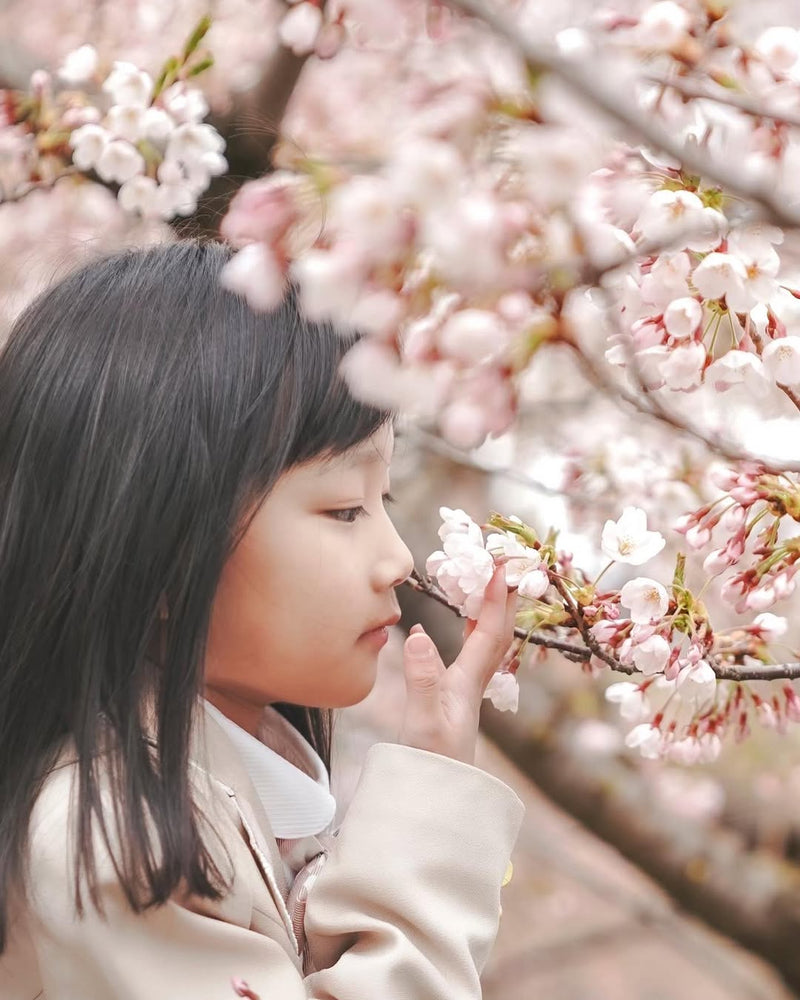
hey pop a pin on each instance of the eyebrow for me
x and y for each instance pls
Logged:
(360, 455)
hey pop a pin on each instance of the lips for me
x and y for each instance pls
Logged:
(386, 623)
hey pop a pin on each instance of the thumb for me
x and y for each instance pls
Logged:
(423, 668)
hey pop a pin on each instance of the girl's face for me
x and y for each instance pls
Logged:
(300, 604)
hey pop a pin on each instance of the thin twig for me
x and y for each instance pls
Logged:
(436, 444)
(588, 81)
(650, 405)
(742, 103)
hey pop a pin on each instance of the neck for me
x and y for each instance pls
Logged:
(245, 714)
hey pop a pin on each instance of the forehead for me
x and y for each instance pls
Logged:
(373, 451)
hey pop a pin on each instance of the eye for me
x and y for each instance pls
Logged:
(348, 515)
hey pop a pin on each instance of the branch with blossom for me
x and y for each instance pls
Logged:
(142, 136)
(697, 685)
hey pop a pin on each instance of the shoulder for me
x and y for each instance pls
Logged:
(53, 833)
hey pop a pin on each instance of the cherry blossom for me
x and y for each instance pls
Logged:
(646, 598)
(628, 540)
(503, 691)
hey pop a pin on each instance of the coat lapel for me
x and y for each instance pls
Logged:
(214, 753)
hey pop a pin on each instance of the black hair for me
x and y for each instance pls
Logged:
(144, 409)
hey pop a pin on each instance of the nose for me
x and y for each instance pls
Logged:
(395, 562)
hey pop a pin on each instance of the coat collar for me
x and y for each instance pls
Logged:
(287, 774)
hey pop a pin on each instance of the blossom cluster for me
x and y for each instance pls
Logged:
(372, 219)
(145, 136)
(679, 708)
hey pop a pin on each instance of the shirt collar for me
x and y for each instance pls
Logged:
(297, 804)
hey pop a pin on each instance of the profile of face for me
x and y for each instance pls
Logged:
(301, 605)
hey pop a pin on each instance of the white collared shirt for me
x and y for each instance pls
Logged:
(297, 804)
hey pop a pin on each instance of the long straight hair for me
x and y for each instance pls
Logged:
(144, 410)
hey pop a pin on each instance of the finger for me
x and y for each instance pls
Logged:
(512, 603)
(484, 648)
(423, 670)
(469, 627)
(414, 629)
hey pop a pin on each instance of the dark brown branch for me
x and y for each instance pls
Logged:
(583, 653)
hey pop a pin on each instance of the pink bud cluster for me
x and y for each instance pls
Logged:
(747, 524)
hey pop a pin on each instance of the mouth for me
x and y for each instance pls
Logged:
(382, 626)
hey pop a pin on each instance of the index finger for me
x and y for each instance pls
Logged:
(490, 636)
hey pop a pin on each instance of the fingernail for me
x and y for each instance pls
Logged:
(419, 646)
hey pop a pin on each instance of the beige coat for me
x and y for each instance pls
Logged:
(405, 906)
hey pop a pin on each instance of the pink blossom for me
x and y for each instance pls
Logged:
(255, 273)
(263, 210)
(473, 335)
(503, 691)
(300, 27)
(683, 367)
(682, 317)
(534, 584)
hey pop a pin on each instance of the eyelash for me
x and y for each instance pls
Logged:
(357, 512)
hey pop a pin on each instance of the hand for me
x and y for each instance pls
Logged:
(443, 706)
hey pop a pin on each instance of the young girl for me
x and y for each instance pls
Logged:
(196, 566)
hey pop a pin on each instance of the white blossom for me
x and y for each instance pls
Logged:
(782, 360)
(647, 739)
(738, 368)
(119, 161)
(140, 194)
(719, 274)
(663, 25)
(646, 598)
(300, 27)
(627, 540)
(126, 121)
(534, 584)
(682, 317)
(79, 65)
(473, 335)
(779, 47)
(129, 85)
(255, 273)
(503, 691)
(184, 103)
(770, 626)
(682, 368)
(652, 654)
(462, 569)
(632, 701)
(88, 143)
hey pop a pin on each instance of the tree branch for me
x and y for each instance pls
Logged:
(591, 647)
(686, 88)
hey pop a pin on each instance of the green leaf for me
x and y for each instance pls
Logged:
(196, 36)
(201, 67)
(166, 76)
(679, 576)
